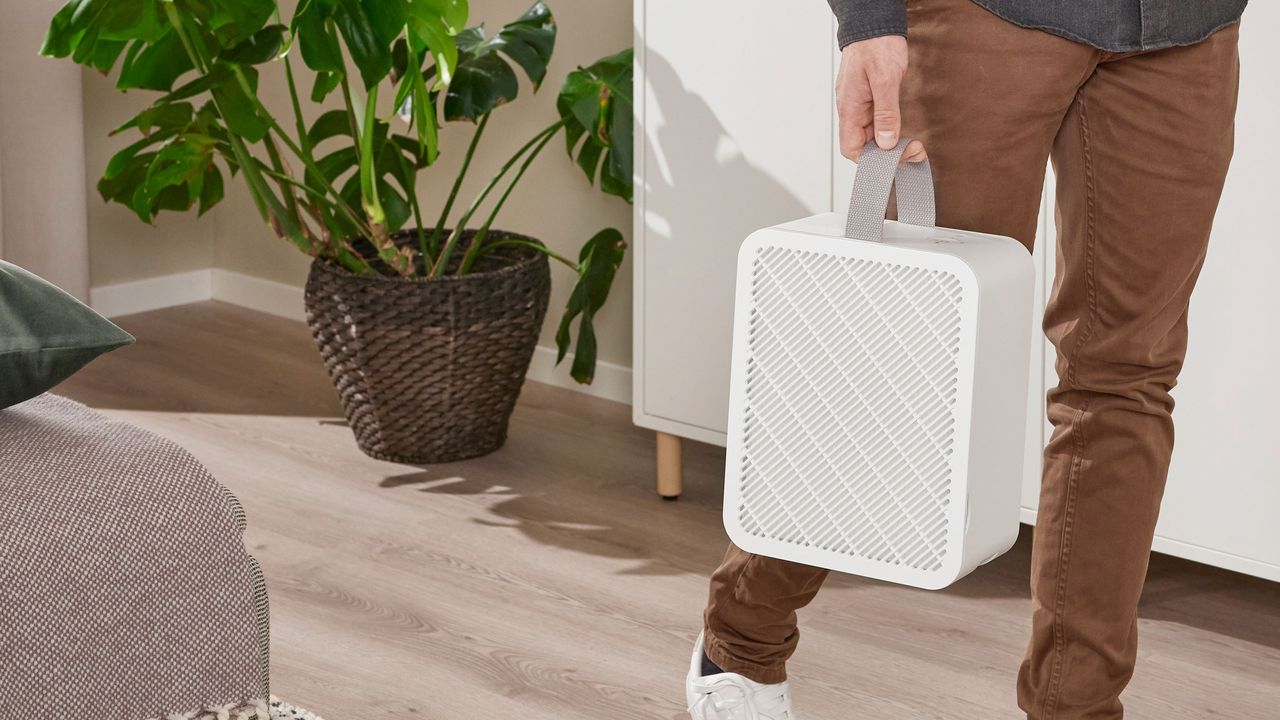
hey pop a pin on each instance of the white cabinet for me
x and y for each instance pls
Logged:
(734, 134)
(736, 131)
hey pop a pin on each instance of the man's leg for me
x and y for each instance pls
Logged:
(987, 98)
(1140, 163)
(751, 615)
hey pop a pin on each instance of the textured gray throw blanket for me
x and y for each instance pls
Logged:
(125, 589)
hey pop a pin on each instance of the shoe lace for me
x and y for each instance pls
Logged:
(727, 701)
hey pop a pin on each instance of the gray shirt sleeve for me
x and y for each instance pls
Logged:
(862, 19)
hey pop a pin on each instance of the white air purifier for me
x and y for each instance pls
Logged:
(877, 408)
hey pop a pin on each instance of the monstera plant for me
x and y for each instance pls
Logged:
(337, 178)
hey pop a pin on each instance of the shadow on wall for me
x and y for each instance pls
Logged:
(704, 192)
(692, 138)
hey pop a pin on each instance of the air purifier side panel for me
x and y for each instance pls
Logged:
(742, 308)
(1000, 392)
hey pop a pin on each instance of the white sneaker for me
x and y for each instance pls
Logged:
(730, 696)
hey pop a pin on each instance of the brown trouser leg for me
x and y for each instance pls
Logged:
(1140, 144)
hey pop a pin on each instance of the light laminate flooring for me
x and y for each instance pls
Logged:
(548, 581)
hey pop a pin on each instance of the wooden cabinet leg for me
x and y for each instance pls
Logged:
(670, 474)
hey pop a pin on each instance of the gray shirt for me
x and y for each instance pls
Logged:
(1114, 25)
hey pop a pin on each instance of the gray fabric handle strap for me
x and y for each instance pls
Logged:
(878, 172)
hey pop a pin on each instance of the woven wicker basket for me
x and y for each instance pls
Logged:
(428, 370)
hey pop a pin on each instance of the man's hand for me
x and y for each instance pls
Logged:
(867, 96)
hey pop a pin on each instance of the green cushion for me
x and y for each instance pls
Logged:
(45, 335)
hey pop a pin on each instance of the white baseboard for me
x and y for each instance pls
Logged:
(152, 293)
(266, 296)
(612, 381)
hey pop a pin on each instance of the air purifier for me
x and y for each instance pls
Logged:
(878, 392)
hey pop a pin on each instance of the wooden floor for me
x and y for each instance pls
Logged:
(549, 581)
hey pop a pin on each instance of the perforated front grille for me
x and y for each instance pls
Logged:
(850, 388)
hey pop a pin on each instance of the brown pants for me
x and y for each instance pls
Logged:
(1140, 143)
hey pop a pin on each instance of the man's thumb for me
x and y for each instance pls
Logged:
(887, 118)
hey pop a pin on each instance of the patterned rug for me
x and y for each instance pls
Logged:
(284, 711)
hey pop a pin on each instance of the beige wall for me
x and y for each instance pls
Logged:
(121, 247)
(41, 153)
(553, 202)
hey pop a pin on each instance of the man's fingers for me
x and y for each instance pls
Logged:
(887, 116)
(853, 103)
(857, 132)
(914, 152)
(854, 133)
(867, 93)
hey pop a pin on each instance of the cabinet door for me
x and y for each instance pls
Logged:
(734, 114)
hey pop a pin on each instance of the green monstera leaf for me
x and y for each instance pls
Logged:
(97, 33)
(258, 48)
(598, 264)
(484, 78)
(394, 162)
(370, 29)
(156, 66)
(595, 104)
(383, 38)
(172, 167)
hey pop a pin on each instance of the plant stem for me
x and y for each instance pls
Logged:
(299, 121)
(345, 257)
(368, 180)
(307, 160)
(273, 209)
(353, 118)
(478, 239)
(456, 235)
(438, 232)
(412, 192)
(330, 237)
(291, 201)
(281, 177)
(303, 151)
(363, 133)
(536, 246)
(547, 135)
